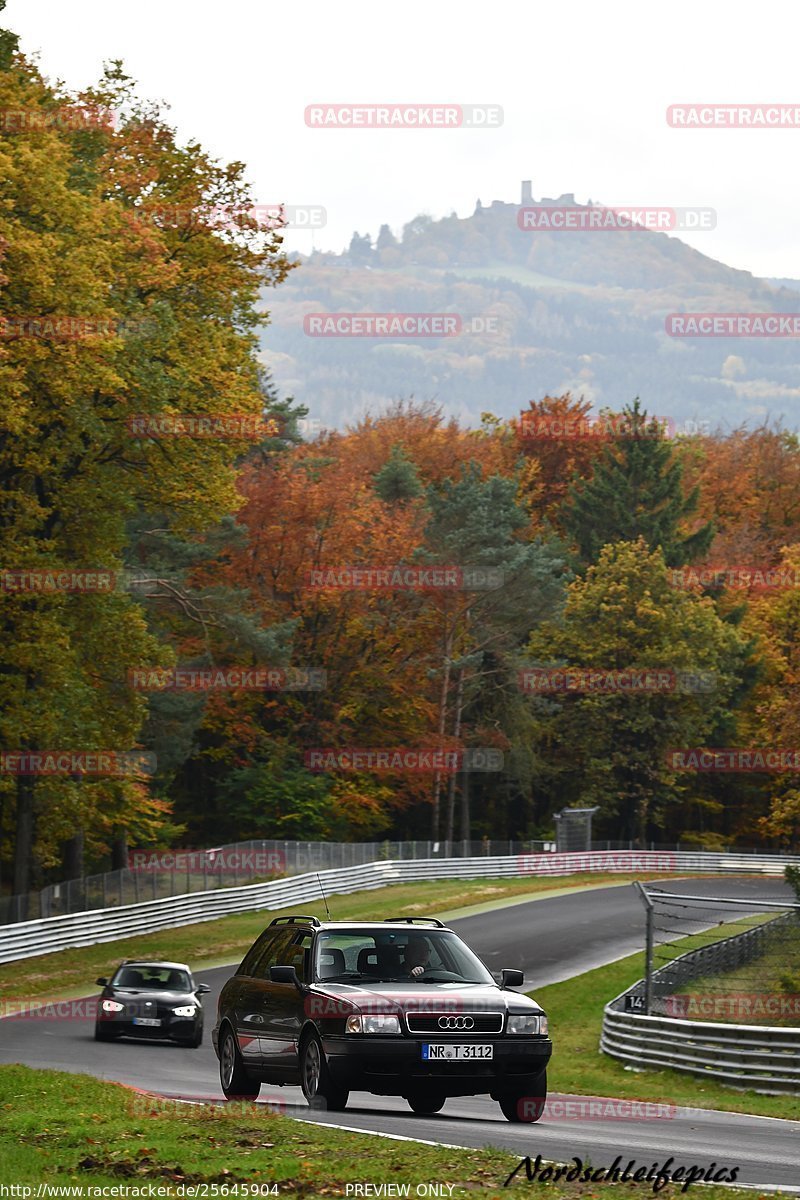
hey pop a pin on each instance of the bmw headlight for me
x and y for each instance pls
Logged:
(374, 1023)
(530, 1025)
(112, 1006)
(188, 1010)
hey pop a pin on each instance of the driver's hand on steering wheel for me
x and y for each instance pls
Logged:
(416, 971)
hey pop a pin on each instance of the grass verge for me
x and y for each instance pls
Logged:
(77, 1132)
(575, 1011)
(765, 991)
(226, 939)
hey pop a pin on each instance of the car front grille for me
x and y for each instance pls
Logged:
(450, 1023)
(135, 1008)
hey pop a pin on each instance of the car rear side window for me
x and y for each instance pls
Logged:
(256, 952)
(275, 953)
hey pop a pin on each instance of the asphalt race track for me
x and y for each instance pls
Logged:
(550, 940)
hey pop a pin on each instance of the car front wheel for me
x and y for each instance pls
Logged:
(318, 1087)
(425, 1105)
(235, 1081)
(527, 1107)
(102, 1033)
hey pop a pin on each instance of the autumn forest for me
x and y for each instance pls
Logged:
(402, 584)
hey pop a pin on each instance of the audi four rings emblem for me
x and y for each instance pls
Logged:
(456, 1023)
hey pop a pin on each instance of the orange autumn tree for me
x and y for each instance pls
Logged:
(558, 435)
(326, 505)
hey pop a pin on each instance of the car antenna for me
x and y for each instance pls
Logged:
(322, 890)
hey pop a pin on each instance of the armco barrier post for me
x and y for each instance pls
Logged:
(648, 950)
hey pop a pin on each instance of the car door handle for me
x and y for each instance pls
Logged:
(254, 1018)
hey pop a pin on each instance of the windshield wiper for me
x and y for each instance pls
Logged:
(345, 975)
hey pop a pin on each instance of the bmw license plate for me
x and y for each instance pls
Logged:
(146, 1021)
(432, 1051)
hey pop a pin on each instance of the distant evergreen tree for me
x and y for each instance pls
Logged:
(9, 45)
(398, 480)
(360, 250)
(386, 239)
(636, 491)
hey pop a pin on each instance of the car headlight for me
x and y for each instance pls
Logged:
(188, 1010)
(530, 1025)
(112, 1006)
(374, 1023)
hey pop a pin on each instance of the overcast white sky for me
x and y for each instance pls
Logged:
(584, 87)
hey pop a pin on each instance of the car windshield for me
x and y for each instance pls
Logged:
(396, 956)
(155, 978)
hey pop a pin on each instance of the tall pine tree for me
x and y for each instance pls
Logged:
(636, 491)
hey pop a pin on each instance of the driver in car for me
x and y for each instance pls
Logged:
(416, 956)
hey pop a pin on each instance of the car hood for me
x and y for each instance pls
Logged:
(143, 995)
(425, 997)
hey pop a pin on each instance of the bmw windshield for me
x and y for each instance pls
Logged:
(407, 955)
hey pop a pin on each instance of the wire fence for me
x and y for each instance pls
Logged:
(154, 875)
(720, 959)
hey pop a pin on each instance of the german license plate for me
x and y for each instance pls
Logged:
(432, 1051)
(146, 1021)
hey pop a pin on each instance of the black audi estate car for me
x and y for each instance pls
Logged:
(151, 1000)
(397, 1008)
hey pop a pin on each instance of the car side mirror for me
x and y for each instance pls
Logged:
(102, 981)
(202, 988)
(285, 975)
(509, 977)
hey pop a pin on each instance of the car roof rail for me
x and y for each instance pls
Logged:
(412, 920)
(295, 920)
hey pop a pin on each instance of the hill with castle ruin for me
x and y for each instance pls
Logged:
(541, 310)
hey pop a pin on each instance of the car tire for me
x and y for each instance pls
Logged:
(426, 1105)
(315, 1080)
(103, 1034)
(192, 1043)
(523, 1108)
(235, 1081)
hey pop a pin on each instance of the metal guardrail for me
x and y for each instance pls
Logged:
(211, 869)
(761, 1057)
(31, 938)
(764, 1058)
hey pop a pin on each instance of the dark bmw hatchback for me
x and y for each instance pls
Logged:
(151, 1000)
(398, 1008)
